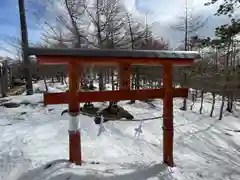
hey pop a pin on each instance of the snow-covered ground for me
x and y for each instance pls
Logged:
(34, 144)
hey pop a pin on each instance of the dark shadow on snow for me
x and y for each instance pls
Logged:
(54, 171)
(43, 172)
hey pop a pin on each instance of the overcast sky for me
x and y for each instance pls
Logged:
(163, 14)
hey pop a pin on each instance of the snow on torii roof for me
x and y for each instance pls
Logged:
(119, 53)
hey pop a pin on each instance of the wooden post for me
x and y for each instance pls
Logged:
(168, 115)
(4, 79)
(24, 43)
(74, 131)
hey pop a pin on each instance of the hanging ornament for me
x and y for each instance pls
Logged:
(138, 130)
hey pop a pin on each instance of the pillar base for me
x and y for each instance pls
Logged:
(168, 146)
(75, 147)
(169, 163)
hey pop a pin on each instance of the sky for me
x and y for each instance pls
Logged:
(10, 24)
(163, 14)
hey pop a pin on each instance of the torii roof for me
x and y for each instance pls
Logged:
(118, 53)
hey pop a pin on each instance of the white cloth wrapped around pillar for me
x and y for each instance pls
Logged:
(74, 123)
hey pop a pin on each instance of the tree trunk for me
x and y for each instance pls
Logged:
(108, 75)
(230, 103)
(151, 84)
(201, 107)
(105, 77)
(133, 82)
(137, 82)
(112, 79)
(137, 78)
(226, 78)
(160, 83)
(222, 106)
(133, 85)
(45, 83)
(62, 78)
(65, 81)
(101, 83)
(194, 98)
(213, 103)
(156, 84)
(144, 81)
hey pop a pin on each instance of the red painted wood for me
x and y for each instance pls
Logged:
(111, 61)
(75, 147)
(74, 136)
(74, 76)
(143, 94)
(168, 115)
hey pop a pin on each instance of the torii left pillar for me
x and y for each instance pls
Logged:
(168, 115)
(74, 107)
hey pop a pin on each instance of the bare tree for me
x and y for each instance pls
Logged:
(227, 33)
(13, 46)
(189, 23)
(107, 22)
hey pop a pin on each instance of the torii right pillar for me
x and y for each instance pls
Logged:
(168, 115)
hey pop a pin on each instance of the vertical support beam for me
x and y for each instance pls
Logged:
(81, 73)
(101, 80)
(168, 115)
(74, 131)
(125, 75)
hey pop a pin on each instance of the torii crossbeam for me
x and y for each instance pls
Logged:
(124, 59)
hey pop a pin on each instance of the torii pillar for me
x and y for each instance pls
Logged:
(168, 115)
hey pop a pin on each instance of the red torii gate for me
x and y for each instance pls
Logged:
(75, 58)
